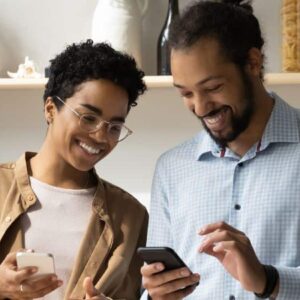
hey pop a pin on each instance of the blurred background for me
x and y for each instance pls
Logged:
(42, 28)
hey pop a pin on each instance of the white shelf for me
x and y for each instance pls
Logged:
(282, 78)
(17, 84)
(151, 81)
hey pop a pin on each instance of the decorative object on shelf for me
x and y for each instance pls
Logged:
(119, 22)
(47, 72)
(26, 70)
(290, 13)
(163, 47)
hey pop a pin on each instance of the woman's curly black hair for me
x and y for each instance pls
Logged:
(86, 61)
(230, 22)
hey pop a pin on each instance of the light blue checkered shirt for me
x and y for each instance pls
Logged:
(193, 186)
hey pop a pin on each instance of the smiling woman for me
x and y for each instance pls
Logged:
(54, 200)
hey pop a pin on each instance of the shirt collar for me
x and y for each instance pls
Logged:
(282, 127)
(206, 146)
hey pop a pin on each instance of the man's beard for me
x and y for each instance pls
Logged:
(238, 123)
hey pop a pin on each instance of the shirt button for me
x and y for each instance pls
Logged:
(231, 297)
(30, 198)
(240, 164)
(237, 207)
(7, 219)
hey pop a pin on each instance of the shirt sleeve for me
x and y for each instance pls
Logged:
(159, 233)
(289, 283)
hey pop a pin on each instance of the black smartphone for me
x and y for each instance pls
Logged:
(165, 255)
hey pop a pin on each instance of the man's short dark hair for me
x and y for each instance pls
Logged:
(230, 22)
(86, 61)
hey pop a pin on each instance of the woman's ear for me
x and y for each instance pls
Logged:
(255, 62)
(49, 110)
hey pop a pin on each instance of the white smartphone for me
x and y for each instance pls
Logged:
(43, 261)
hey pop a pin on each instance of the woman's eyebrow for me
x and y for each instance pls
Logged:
(99, 112)
(92, 108)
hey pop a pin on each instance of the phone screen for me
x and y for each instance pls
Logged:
(165, 255)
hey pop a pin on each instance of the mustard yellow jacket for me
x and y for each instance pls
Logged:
(107, 253)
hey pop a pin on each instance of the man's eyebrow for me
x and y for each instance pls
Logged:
(99, 112)
(199, 82)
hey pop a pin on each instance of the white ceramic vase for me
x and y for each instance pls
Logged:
(119, 22)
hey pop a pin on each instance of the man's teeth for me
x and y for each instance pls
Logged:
(89, 149)
(214, 120)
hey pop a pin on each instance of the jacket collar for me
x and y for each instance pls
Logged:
(29, 198)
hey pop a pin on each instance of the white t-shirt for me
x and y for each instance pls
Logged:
(56, 224)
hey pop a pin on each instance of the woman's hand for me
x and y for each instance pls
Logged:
(17, 284)
(91, 292)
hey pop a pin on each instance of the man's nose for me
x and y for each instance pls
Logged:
(200, 105)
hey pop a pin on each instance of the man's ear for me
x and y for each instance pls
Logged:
(255, 62)
(49, 110)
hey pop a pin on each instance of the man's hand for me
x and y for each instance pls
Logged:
(18, 284)
(234, 250)
(91, 292)
(173, 285)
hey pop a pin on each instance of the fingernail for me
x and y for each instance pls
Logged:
(202, 246)
(33, 270)
(59, 283)
(202, 230)
(185, 272)
(53, 278)
(159, 267)
(196, 277)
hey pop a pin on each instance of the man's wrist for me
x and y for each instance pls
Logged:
(272, 279)
(276, 291)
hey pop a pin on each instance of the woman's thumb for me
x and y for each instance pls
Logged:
(90, 290)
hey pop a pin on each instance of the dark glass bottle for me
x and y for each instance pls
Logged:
(163, 47)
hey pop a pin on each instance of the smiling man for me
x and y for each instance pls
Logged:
(227, 201)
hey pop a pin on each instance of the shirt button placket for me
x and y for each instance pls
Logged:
(237, 207)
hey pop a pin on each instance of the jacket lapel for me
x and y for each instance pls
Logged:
(95, 247)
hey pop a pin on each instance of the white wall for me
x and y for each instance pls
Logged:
(42, 28)
(159, 122)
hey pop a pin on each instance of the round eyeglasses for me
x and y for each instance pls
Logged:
(90, 123)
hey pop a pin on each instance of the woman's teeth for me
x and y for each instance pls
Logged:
(89, 149)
